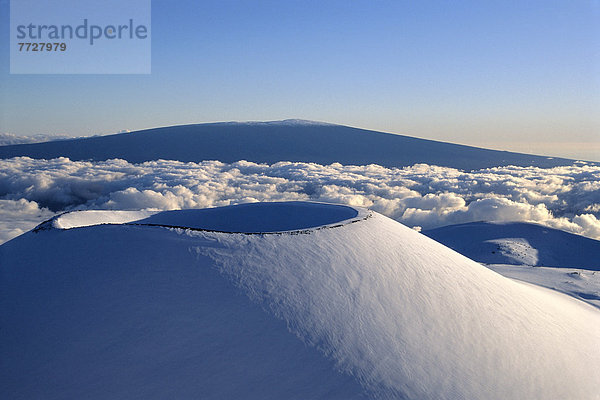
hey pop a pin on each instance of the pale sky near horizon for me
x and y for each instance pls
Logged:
(511, 75)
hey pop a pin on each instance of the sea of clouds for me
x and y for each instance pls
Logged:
(423, 196)
(10, 139)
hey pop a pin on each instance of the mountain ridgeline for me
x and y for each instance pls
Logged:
(270, 142)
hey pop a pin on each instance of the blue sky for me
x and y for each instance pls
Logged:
(512, 75)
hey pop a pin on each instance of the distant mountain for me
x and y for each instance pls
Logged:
(269, 142)
(335, 302)
(519, 243)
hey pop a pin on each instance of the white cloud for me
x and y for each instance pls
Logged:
(421, 195)
(19, 216)
(9, 138)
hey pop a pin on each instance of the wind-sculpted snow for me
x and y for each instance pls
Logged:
(372, 307)
(566, 198)
(417, 320)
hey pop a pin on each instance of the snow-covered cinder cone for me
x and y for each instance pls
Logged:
(174, 304)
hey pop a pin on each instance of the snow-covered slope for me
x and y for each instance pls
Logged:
(582, 284)
(519, 243)
(135, 310)
(270, 142)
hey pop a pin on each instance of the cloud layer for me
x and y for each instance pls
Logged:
(426, 196)
(9, 138)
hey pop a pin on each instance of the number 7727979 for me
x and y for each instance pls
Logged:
(26, 46)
